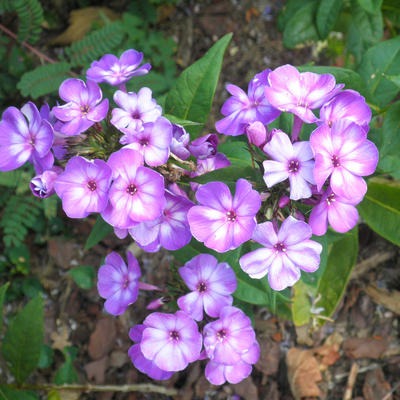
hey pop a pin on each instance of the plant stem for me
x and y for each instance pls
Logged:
(29, 47)
(140, 387)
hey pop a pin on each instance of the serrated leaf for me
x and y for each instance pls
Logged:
(378, 62)
(327, 14)
(83, 276)
(43, 80)
(192, 94)
(3, 290)
(100, 230)
(301, 27)
(23, 340)
(380, 208)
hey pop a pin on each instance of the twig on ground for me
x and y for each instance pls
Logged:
(369, 263)
(389, 394)
(370, 367)
(348, 394)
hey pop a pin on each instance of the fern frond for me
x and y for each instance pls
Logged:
(30, 17)
(96, 44)
(10, 179)
(19, 214)
(43, 80)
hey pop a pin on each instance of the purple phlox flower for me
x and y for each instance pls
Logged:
(157, 303)
(83, 186)
(343, 153)
(153, 141)
(180, 140)
(83, 106)
(144, 365)
(211, 286)
(339, 211)
(118, 283)
(207, 165)
(349, 105)
(284, 253)
(42, 164)
(223, 223)
(229, 337)
(289, 160)
(136, 109)
(242, 109)
(176, 189)
(218, 373)
(204, 147)
(116, 71)
(23, 136)
(43, 185)
(171, 230)
(137, 193)
(257, 133)
(171, 341)
(299, 93)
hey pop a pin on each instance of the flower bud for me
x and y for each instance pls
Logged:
(256, 133)
(283, 201)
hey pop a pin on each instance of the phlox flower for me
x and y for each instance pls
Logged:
(153, 141)
(83, 106)
(229, 337)
(223, 223)
(299, 93)
(284, 253)
(343, 153)
(144, 365)
(24, 136)
(211, 284)
(170, 230)
(118, 283)
(171, 341)
(204, 146)
(116, 71)
(257, 133)
(349, 105)
(242, 109)
(293, 161)
(180, 140)
(83, 186)
(136, 109)
(43, 185)
(339, 211)
(218, 373)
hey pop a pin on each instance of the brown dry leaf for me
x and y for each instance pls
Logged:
(62, 251)
(329, 354)
(269, 357)
(386, 298)
(375, 386)
(371, 347)
(95, 370)
(251, 12)
(246, 389)
(60, 340)
(303, 373)
(103, 338)
(80, 23)
(118, 358)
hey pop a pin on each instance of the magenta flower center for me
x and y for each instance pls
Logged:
(136, 115)
(201, 287)
(231, 216)
(221, 335)
(335, 161)
(330, 199)
(131, 189)
(293, 166)
(144, 142)
(174, 335)
(280, 247)
(92, 185)
(85, 109)
(126, 283)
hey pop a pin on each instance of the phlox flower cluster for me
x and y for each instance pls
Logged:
(124, 160)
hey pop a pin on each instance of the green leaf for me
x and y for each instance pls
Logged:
(50, 206)
(301, 307)
(43, 80)
(364, 31)
(370, 6)
(6, 393)
(181, 122)
(31, 286)
(289, 8)
(351, 79)
(229, 175)
(100, 230)
(83, 276)
(23, 340)
(301, 27)
(380, 208)
(192, 94)
(390, 137)
(379, 61)
(3, 290)
(327, 14)
(341, 260)
(67, 373)
(395, 79)
(237, 153)
(46, 357)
